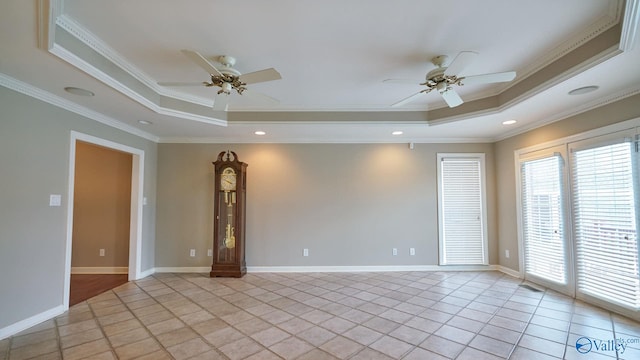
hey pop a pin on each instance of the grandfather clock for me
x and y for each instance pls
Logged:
(229, 216)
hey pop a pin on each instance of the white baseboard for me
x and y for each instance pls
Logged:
(146, 273)
(374, 268)
(193, 269)
(509, 271)
(31, 321)
(100, 270)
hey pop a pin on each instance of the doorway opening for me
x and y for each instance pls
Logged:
(130, 258)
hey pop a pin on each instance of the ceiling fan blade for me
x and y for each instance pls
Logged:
(260, 76)
(407, 99)
(201, 61)
(221, 102)
(178, 83)
(488, 78)
(451, 98)
(400, 81)
(260, 96)
(462, 60)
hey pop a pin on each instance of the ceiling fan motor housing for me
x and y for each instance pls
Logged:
(436, 75)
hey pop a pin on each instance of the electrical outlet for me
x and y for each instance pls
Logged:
(412, 251)
(305, 252)
(209, 252)
(506, 254)
(192, 252)
(101, 252)
(394, 251)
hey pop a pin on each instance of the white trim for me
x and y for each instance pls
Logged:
(99, 270)
(608, 129)
(31, 321)
(284, 140)
(508, 271)
(135, 225)
(87, 38)
(328, 269)
(185, 269)
(630, 24)
(372, 268)
(146, 273)
(42, 95)
(580, 109)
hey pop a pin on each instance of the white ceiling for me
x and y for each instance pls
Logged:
(333, 56)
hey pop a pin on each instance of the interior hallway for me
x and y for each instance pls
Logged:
(86, 286)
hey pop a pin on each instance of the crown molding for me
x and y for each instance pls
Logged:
(34, 92)
(297, 140)
(74, 28)
(630, 25)
(594, 104)
(83, 37)
(604, 23)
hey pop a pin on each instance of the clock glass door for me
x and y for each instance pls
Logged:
(226, 252)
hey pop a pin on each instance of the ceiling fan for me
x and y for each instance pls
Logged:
(442, 78)
(227, 78)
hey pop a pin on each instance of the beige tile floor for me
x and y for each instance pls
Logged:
(403, 315)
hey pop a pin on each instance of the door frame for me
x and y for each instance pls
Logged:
(137, 202)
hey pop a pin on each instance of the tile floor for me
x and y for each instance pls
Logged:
(404, 315)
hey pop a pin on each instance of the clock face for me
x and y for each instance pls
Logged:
(228, 180)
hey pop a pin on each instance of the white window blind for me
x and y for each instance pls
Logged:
(462, 209)
(605, 228)
(544, 243)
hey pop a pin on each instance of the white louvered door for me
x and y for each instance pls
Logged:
(462, 209)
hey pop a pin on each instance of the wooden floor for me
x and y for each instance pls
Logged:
(86, 286)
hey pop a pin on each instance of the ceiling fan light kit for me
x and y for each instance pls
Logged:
(443, 78)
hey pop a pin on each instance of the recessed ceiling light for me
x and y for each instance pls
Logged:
(583, 90)
(260, 133)
(78, 91)
(509, 122)
(145, 122)
(397, 132)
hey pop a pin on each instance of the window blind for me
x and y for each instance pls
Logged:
(542, 213)
(605, 226)
(462, 224)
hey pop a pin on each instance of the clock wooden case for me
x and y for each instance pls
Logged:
(229, 216)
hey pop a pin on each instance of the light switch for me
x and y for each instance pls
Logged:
(55, 200)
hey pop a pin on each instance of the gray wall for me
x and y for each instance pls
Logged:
(34, 162)
(625, 109)
(349, 204)
(101, 207)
